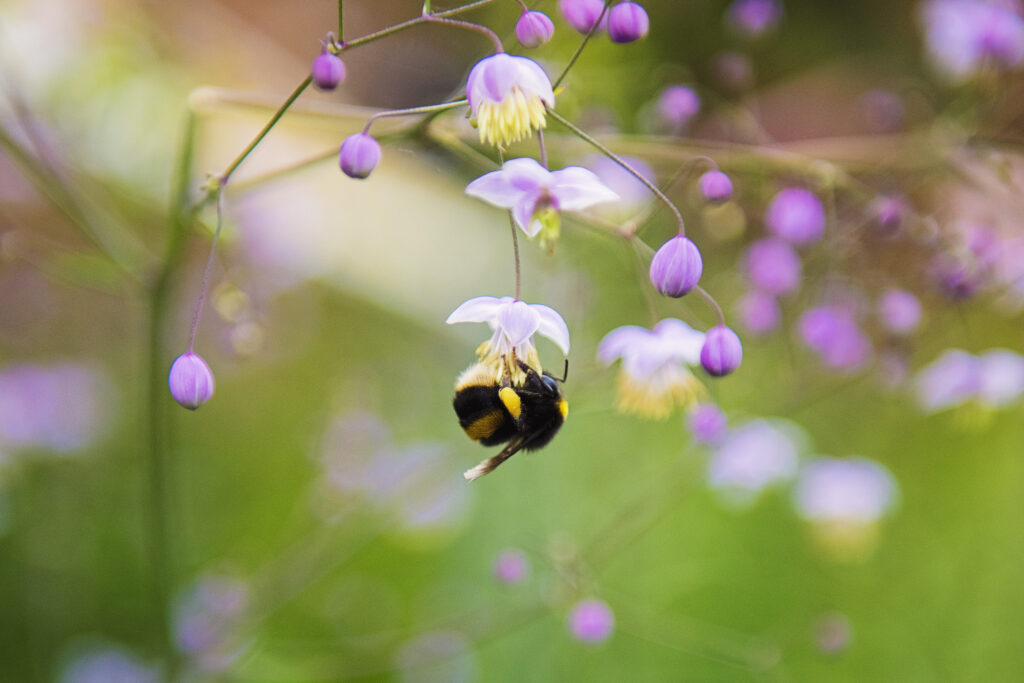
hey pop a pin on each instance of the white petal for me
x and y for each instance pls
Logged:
(518, 320)
(534, 81)
(679, 341)
(522, 213)
(575, 188)
(552, 326)
(622, 341)
(527, 174)
(495, 188)
(481, 309)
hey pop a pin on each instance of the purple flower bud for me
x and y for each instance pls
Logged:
(900, 311)
(759, 312)
(773, 266)
(512, 566)
(722, 351)
(591, 621)
(715, 186)
(534, 29)
(360, 154)
(676, 267)
(581, 14)
(627, 21)
(190, 381)
(796, 215)
(707, 423)
(956, 277)
(328, 71)
(754, 18)
(677, 104)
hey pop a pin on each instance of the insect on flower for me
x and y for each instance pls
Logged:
(504, 397)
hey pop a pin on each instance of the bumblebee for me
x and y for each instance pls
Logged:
(526, 414)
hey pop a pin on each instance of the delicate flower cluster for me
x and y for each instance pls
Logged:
(965, 36)
(508, 96)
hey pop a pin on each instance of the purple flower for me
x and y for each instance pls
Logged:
(591, 621)
(707, 423)
(109, 665)
(359, 155)
(627, 22)
(753, 457)
(900, 311)
(677, 104)
(759, 312)
(957, 276)
(796, 215)
(889, 214)
(654, 378)
(328, 71)
(676, 267)
(950, 380)
(844, 490)
(535, 195)
(833, 334)
(581, 14)
(508, 96)
(206, 621)
(1001, 379)
(965, 35)
(512, 566)
(715, 186)
(190, 381)
(534, 29)
(773, 266)
(754, 18)
(722, 351)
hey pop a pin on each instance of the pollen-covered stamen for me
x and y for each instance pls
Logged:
(510, 120)
(508, 97)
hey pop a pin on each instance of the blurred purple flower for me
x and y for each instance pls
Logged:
(508, 95)
(109, 665)
(328, 71)
(591, 621)
(722, 351)
(707, 423)
(889, 214)
(190, 381)
(900, 311)
(676, 267)
(754, 18)
(1001, 379)
(677, 104)
(627, 22)
(654, 378)
(956, 276)
(581, 14)
(844, 490)
(534, 29)
(532, 192)
(715, 186)
(773, 266)
(963, 36)
(512, 566)
(759, 312)
(359, 155)
(796, 215)
(834, 335)
(950, 380)
(206, 621)
(753, 457)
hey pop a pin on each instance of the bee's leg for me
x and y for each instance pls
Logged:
(532, 378)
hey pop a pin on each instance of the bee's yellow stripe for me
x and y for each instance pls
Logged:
(483, 427)
(512, 402)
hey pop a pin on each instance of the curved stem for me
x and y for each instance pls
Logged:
(621, 162)
(711, 301)
(515, 252)
(206, 271)
(543, 148)
(470, 26)
(429, 109)
(583, 44)
(377, 35)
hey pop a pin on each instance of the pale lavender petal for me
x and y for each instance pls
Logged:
(552, 326)
(522, 213)
(844, 490)
(1001, 377)
(526, 174)
(534, 81)
(519, 321)
(496, 188)
(481, 309)
(575, 188)
(621, 341)
(679, 340)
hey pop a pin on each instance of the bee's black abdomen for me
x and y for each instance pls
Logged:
(483, 416)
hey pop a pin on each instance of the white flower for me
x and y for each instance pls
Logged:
(507, 96)
(755, 456)
(845, 490)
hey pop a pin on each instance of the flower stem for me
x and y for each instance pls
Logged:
(515, 252)
(341, 21)
(427, 16)
(206, 271)
(429, 109)
(583, 44)
(469, 25)
(711, 301)
(543, 148)
(621, 162)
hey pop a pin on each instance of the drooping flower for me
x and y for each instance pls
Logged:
(514, 322)
(795, 215)
(627, 22)
(676, 267)
(654, 378)
(190, 381)
(722, 351)
(508, 96)
(535, 195)
(328, 71)
(534, 29)
(359, 155)
(591, 621)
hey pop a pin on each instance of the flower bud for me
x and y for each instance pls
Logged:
(677, 104)
(591, 621)
(360, 154)
(534, 29)
(676, 267)
(627, 22)
(722, 351)
(773, 266)
(190, 381)
(581, 14)
(328, 71)
(900, 311)
(796, 215)
(715, 186)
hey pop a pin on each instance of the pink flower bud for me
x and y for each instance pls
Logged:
(581, 14)
(676, 267)
(591, 621)
(796, 215)
(722, 351)
(715, 186)
(534, 29)
(328, 71)
(190, 381)
(627, 22)
(360, 154)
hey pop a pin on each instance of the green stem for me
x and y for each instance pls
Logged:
(413, 22)
(341, 21)
(621, 162)
(469, 25)
(430, 108)
(714, 304)
(583, 44)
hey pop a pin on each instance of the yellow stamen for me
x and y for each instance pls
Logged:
(656, 399)
(511, 120)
